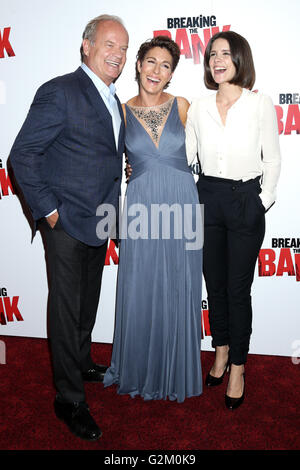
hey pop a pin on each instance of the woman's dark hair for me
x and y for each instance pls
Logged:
(159, 41)
(241, 56)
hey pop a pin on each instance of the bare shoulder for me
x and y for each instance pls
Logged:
(130, 102)
(182, 102)
(183, 106)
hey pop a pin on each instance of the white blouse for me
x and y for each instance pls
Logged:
(246, 147)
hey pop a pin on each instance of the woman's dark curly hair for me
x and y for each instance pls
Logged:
(159, 41)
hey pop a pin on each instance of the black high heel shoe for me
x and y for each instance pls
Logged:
(233, 403)
(212, 381)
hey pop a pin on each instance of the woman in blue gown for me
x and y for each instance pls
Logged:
(157, 340)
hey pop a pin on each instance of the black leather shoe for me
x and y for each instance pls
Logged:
(78, 419)
(95, 374)
(233, 403)
(212, 381)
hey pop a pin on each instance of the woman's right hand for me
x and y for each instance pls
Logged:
(128, 171)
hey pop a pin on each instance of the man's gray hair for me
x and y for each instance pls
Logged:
(92, 26)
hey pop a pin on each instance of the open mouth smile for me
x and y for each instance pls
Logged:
(112, 63)
(153, 80)
(219, 70)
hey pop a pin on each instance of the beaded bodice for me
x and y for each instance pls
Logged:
(153, 118)
(155, 139)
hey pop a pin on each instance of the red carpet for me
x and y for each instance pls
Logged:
(268, 420)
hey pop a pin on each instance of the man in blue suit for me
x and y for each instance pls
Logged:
(67, 159)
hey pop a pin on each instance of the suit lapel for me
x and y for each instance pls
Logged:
(122, 129)
(96, 101)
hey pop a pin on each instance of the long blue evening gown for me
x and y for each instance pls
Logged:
(157, 340)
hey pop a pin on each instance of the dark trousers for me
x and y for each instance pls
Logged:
(234, 228)
(75, 273)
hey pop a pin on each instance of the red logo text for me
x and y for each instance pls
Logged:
(5, 44)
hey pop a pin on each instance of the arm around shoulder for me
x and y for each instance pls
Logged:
(192, 139)
(183, 107)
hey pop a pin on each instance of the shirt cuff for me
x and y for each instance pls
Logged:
(55, 210)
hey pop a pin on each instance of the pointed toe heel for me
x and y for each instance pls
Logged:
(212, 381)
(233, 403)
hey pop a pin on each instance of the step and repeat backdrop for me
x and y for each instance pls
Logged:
(40, 39)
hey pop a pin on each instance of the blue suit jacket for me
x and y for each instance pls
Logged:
(65, 156)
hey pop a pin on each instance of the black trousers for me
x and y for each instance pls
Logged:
(75, 274)
(234, 228)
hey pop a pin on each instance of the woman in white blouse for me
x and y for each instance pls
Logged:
(234, 132)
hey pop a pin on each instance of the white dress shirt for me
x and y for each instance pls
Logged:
(246, 147)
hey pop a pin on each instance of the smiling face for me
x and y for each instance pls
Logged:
(220, 62)
(155, 70)
(106, 55)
